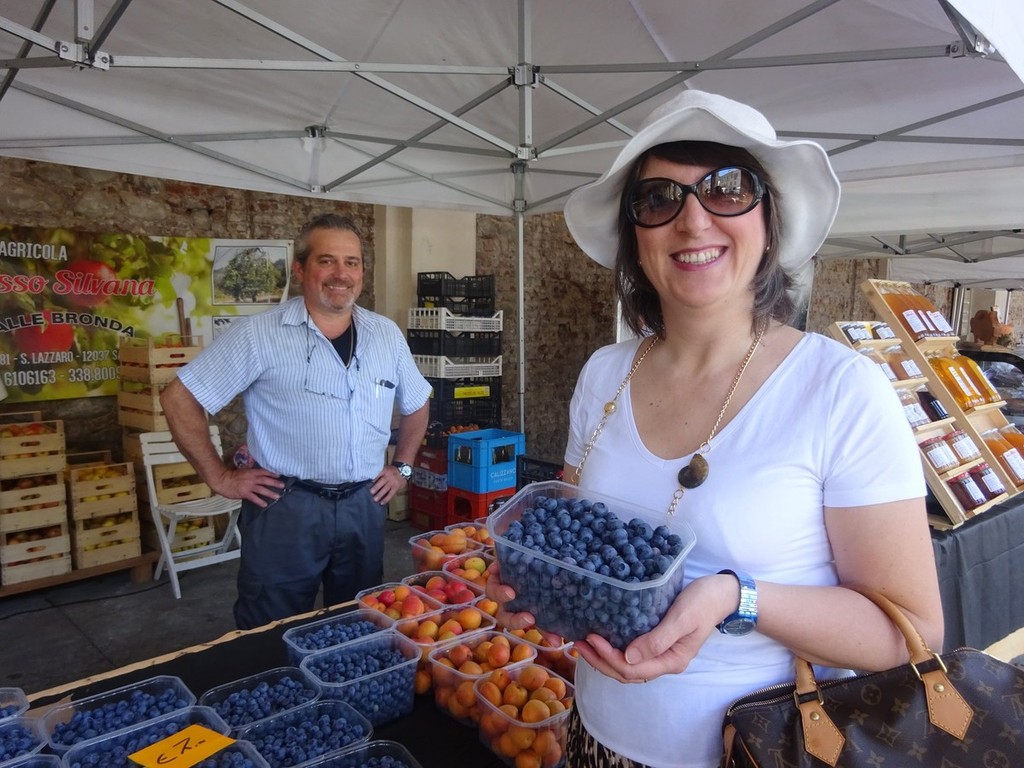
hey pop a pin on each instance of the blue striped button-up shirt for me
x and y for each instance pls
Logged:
(310, 416)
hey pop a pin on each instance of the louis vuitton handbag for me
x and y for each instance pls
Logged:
(963, 709)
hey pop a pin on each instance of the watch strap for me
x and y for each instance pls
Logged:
(746, 611)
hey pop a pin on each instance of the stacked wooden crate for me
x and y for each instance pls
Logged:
(34, 541)
(103, 510)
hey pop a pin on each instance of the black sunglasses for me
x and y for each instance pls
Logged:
(729, 191)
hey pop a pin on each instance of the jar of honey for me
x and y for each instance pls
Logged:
(1008, 456)
(881, 362)
(901, 363)
(980, 380)
(955, 379)
(882, 331)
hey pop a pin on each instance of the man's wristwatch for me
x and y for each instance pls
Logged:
(744, 619)
(403, 469)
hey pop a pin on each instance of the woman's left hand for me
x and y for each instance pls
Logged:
(669, 647)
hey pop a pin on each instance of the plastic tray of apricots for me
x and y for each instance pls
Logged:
(456, 665)
(438, 627)
(431, 550)
(444, 587)
(475, 530)
(102, 490)
(396, 601)
(27, 502)
(474, 567)
(524, 715)
(31, 448)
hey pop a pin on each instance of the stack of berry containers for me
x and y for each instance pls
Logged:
(333, 631)
(260, 696)
(66, 725)
(374, 674)
(298, 736)
(113, 750)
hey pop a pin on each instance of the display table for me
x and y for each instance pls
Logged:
(433, 738)
(981, 570)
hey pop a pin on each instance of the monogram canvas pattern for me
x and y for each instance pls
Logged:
(884, 719)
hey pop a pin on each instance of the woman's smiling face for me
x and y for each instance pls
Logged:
(698, 258)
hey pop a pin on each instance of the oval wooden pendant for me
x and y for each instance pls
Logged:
(694, 473)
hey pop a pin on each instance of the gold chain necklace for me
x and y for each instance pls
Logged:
(696, 472)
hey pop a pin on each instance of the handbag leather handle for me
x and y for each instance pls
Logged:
(947, 709)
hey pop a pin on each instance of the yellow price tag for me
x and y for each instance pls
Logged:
(465, 393)
(184, 749)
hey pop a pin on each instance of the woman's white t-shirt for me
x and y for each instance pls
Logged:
(826, 429)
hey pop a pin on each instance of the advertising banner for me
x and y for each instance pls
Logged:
(68, 298)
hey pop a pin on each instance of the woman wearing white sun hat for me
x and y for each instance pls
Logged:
(787, 453)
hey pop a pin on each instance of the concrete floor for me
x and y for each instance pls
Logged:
(70, 632)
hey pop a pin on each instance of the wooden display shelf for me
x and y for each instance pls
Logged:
(971, 423)
(141, 568)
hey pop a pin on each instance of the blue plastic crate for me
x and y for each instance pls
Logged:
(485, 448)
(496, 477)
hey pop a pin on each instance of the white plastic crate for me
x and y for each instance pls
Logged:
(442, 319)
(444, 368)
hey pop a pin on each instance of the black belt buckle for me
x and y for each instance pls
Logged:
(331, 492)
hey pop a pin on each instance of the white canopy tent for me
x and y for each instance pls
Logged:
(504, 106)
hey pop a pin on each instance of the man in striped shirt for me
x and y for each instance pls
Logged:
(319, 377)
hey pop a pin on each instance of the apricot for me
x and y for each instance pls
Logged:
(492, 724)
(546, 743)
(471, 668)
(533, 677)
(466, 694)
(515, 695)
(557, 685)
(422, 681)
(541, 694)
(555, 707)
(498, 655)
(501, 678)
(458, 655)
(490, 693)
(521, 736)
(481, 650)
(505, 746)
(522, 652)
(402, 591)
(528, 759)
(534, 711)
(469, 618)
(457, 708)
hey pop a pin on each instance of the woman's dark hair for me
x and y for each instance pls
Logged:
(323, 221)
(641, 307)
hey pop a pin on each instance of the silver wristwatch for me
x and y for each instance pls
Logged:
(405, 470)
(744, 619)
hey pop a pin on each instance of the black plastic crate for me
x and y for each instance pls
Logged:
(465, 389)
(485, 412)
(441, 285)
(531, 470)
(473, 306)
(468, 344)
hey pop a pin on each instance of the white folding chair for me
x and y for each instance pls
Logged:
(159, 449)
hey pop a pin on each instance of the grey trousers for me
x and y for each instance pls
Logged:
(300, 542)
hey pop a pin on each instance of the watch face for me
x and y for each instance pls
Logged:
(738, 627)
(405, 471)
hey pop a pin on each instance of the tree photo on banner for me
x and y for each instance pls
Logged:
(68, 299)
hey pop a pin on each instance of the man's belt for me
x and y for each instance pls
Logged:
(324, 490)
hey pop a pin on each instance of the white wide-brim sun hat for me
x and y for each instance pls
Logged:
(804, 186)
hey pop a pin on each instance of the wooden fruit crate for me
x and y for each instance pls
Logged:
(31, 448)
(176, 483)
(155, 361)
(183, 539)
(101, 490)
(55, 514)
(30, 494)
(105, 539)
(15, 549)
(16, 573)
(144, 420)
(80, 459)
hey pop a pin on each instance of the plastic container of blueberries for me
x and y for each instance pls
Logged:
(307, 713)
(571, 601)
(14, 702)
(22, 723)
(294, 637)
(400, 678)
(34, 761)
(272, 677)
(357, 757)
(130, 740)
(155, 686)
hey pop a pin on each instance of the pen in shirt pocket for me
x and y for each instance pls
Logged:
(385, 383)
